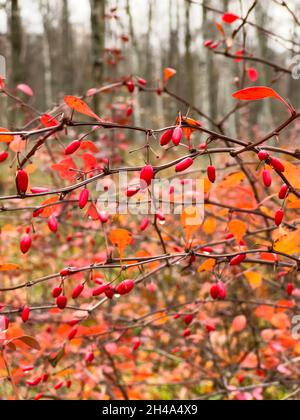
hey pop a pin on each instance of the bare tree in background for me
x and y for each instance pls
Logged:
(15, 29)
(98, 44)
(67, 49)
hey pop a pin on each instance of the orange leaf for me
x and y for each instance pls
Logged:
(210, 226)
(48, 211)
(191, 220)
(257, 93)
(289, 243)
(238, 229)
(232, 181)
(5, 138)
(80, 106)
(281, 321)
(220, 29)
(121, 238)
(89, 145)
(208, 265)
(168, 73)
(9, 267)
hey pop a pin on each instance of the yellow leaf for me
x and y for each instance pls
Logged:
(208, 265)
(289, 243)
(238, 229)
(254, 279)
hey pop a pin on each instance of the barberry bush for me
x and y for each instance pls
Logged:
(196, 300)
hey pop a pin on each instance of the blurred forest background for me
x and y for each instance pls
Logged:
(64, 46)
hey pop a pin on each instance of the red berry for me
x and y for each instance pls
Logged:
(185, 164)
(3, 156)
(146, 176)
(65, 272)
(58, 385)
(210, 328)
(72, 334)
(38, 190)
(53, 223)
(188, 319)
(125, 287)
(283, 193)
(208, 43)
(277, 165)
(214, 292)
(142, 82)
(187, 333)
(211, 173)
(238, 260)
(290, 289)
(166, 138)
(38, 396)
(57, 291)
(279, 215)
(131, 192)
(72, 147)
(177, 136)
(84, 198)
(160, 215)
(22, 181)
(207, 249)
(61, 302)
(100, 290)
(131, 86)
(89, 358)
(267, 179)
(263, 155)
(129, 111)
(4, 323)
(34, 382)
(110, 292)
(25, 243)
(222, 290)
(25, 314)
(144, 224)
(77, 291)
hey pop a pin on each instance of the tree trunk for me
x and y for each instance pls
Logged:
(67, 50)
(98, 45)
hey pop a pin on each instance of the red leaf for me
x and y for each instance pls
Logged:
(48, 121)
(229, 18)
(64, 167)
(257, 93)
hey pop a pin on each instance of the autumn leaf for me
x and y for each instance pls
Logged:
(238, 229)
(22, 87)
(231, 181)
(207, 265)
(254, 279)
(169, 73)
(49, 210)
(289, 243)
(48, 121)
(191, 220)
(230, 18)
(5, 138)
(121, 238)
(25, 339)
(9, 267)
(80, 106)
(256, 93)
(210, 225)
(220, 29)
(64, 169)
(92, 213)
